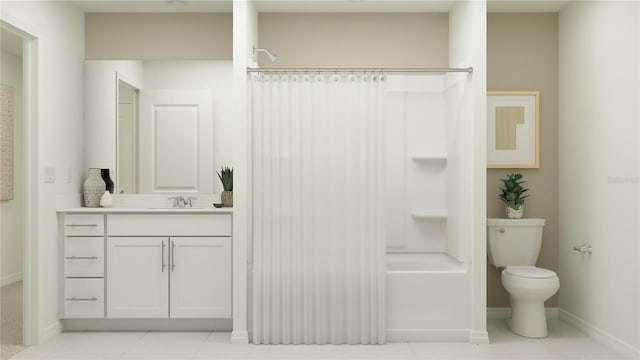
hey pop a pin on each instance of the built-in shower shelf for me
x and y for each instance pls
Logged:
(429, 157)
(428, 215)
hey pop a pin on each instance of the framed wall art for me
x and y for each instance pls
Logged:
(513, 129)
(6, 141)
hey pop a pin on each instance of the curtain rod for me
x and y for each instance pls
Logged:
(352, 70)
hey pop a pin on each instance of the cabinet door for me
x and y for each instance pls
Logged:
(137, 277)
(200, 277)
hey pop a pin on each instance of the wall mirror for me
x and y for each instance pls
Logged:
(169, 121)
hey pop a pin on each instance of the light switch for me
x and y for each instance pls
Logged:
(49, 174)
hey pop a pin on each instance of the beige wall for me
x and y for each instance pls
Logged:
(522, 54)
(355, 40)
(158, 36)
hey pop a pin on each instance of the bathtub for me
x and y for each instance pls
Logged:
(428, 298)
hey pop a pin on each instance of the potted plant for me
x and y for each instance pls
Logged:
(512, 195)
(226, 177)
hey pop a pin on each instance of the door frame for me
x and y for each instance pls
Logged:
(30, 301)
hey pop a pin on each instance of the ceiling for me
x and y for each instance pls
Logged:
(526, 6)
(226, 6)
(354, 5)
(155, 6)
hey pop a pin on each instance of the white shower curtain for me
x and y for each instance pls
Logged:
(318, 243)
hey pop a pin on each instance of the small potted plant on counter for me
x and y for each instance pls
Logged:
(226, 177)
(512, 195)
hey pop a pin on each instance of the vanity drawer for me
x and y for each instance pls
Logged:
(83, 298)
(169, 225)
(84, 257)
(84, 225)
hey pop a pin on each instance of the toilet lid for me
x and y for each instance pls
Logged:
(531, 272)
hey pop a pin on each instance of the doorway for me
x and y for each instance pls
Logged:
(18, 165)
(12, 194)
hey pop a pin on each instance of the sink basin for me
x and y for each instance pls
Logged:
(179, 208)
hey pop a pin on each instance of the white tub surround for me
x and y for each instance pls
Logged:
(427, 298)
(431, 263)
(428, 275)
(424, 178)
(145, 269)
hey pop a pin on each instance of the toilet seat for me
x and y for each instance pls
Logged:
(530, 272)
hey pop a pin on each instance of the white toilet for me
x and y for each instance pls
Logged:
(514, 244)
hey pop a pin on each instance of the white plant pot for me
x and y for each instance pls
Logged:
(514, 214)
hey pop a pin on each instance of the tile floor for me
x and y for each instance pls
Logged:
(564, 342)
(11, 320)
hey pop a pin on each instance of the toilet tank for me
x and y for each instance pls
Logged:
(514, 241)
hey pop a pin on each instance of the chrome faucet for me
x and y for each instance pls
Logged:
(178, 201)
(181, 202)
(188, 201)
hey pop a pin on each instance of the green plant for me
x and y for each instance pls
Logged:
(226, 177)
(513, 190)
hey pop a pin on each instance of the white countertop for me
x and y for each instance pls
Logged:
(118, 210)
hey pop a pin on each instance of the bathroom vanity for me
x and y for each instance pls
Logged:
(167, 266)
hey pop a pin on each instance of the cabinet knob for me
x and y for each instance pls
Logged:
(173, 255)
(162, 260)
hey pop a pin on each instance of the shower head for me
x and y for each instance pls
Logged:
(271, 56)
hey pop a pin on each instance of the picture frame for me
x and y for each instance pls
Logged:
(7, 103)
(513, 129)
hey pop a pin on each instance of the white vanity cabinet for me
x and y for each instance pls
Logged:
(147, 265)
(83, 259)
(137, 277)
(200, 277)
(168, 266)
(146, 274)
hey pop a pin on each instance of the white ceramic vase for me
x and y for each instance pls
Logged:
(107, 199)
(93, 188)
(514, 214)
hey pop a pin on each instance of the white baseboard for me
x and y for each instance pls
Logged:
(503, 313)
(239, 337)
(479, 337)
(146, 324)
(600, 335)
(10, 279)
(51, 331)
(422, 335)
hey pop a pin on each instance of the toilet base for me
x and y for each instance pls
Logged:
(528, 319)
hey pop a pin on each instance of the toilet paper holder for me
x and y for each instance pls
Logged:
(584, 248)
